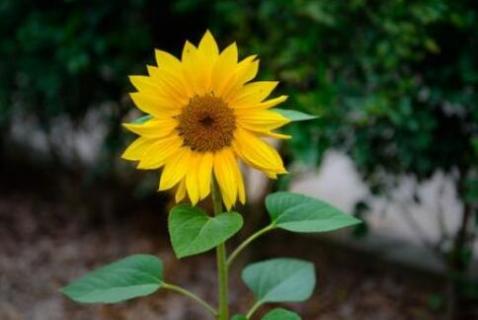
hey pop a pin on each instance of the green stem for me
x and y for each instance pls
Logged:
(253, 309)
(248, 241)
(222, 268)
(190, 295)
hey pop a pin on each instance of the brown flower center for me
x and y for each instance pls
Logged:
(207, 124)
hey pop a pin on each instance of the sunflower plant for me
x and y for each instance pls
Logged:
(204, 117)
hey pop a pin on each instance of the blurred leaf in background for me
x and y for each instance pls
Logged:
(387, 78)
(66, 58)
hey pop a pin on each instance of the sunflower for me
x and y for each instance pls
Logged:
(205, 116)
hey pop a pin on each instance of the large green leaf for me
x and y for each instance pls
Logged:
(294, 115)
(239, 317)
(192, 231)
(280, 280)
(131, 277)
(298, 213)
(281, 314)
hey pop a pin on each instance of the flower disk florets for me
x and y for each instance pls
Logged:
(207, 124)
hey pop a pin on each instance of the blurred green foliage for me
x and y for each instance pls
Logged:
(64, 58)
(394, 82)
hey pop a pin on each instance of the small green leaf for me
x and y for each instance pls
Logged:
(142, 119)
(298, 213)
(131, 277)
(280, 280)
(239, 317)
(281, 314)
(294, 115)
(193, 231)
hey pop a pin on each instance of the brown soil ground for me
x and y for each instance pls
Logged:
(45, 242)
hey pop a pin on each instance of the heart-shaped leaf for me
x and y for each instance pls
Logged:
(280, 280)
(134, 276)
(281, 314)
(294, 115)
(298, 213)
(192, 231)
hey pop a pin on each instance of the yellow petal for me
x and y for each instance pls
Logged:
(172, 82)
(240, 185)
(155, 105)
(197, 69)
(204, 174)
(192, 183)
(181, 191)
(224, 68)
(167, 61)
(271, 175)
(205, 59)
(136, 149)
(245, 71)
(190, 65)
(159, 152)
(154, 128)
(256, 152)
(160, 87)
(145, 84)
(224, 172)
(260, 120)
(276, 135)
(263, 105)
(208, 46)
(175, 169)
(253, 93)
(207, 55)
(189, 52)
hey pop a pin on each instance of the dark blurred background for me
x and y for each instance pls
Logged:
(394, 86)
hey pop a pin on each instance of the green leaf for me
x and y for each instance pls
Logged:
(294, 115)
(193, 231)
(239, 317)
(280, 280)
(131, 277)
(281, 314)
(298, 213)
(142, 119)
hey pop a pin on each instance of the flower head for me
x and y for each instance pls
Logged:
(206, 115)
